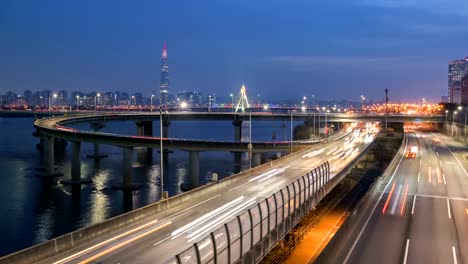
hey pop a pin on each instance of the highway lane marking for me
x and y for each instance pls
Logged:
(406, 251)
(414, 202)
(442, 197)
(459, 163)
(419, 174)
(437, 153)
(176, 214)
(443, 177)
(107, 251)
(440, 162)
(454, 253)
(448, 209)
(373, 209)
(104, 242)
(157, 243)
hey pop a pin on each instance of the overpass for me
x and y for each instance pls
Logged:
(236, 220)
(260, 116)
(50, 129)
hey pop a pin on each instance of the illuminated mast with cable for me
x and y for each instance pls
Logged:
(243, 101)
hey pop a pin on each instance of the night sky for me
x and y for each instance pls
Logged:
(335, 49)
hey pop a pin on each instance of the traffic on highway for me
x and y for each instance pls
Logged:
(417, 214)
(242, 221)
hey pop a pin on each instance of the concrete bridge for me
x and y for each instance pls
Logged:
(236, 220)
(57, 129)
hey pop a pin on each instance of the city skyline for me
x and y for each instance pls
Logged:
(214, 49)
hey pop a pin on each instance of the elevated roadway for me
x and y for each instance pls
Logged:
(162, 237)
(417, 214)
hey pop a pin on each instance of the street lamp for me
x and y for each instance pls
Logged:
(151, 102)
(183, 105)
(291, 140)
(446, 114)
(95, 101)
(250, 138)
(55, 96)
(363, 100)
(161, 167)
(232, 99)
(453, 120)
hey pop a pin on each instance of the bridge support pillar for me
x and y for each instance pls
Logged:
(48, 160)
(127, 170)
(145, 128)
(148, 132)
(96, 126)
(256, 159)
(76, 165)
(237, 162)
(194, 164)
(237, 130)
(49, 155)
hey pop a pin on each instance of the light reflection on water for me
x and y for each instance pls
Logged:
(99, 200)
(35, 209)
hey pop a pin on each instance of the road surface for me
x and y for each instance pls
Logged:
(176, 229)
(420, 217)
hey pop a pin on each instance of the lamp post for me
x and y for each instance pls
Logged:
(48, 107)
(291, 141)
(95, 101)
(161, 167)
(151, 102)
(446, 114)
(314, 126)
(232, 100)
(250, 138)
(453, 120)
(363, 103)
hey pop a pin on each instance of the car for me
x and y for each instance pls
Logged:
(412, 152)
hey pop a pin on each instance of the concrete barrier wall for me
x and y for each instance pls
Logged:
(117, 223)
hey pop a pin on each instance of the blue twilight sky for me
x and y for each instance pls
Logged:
(281, 49)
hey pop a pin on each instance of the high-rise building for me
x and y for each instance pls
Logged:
(464, 90)
(456, 70)
(164, 84)
(211, 100)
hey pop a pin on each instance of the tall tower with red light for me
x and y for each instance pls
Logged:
(164, 83)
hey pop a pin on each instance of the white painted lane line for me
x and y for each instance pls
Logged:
(448, 209)
(459, 163)
(375, 207)
(443, 177)
(406, 251)
(419, 174)
(157, 243)
(414, 202)
(437, 154)
(443, 197)
(454, 253)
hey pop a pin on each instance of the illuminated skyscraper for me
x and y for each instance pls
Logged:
(164, 84)
(456, 70)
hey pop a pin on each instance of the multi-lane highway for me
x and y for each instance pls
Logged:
(174, 230)
(418, 214)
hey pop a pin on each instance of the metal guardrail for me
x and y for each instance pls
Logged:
(250, 235)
